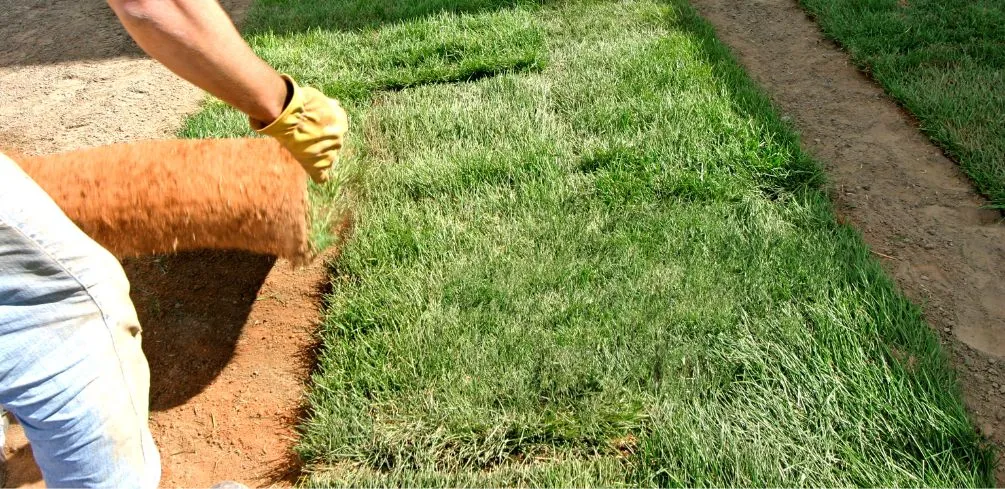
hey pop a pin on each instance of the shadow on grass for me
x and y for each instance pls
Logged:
(284, 17)
(747, 98)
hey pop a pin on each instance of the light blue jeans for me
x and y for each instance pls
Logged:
(71, 368)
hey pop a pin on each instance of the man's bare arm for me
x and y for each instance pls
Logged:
(197, 40)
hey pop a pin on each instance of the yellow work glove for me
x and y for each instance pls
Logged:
(312, 127)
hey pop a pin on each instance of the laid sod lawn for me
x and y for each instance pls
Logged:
(588, 253)
(944, 61)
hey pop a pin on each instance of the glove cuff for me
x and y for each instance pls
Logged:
(294, 102)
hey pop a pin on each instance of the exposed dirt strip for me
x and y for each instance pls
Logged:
(916, 209)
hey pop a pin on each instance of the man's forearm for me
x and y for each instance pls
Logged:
(197, 40)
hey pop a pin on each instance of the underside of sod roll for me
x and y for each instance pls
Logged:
(174, 195)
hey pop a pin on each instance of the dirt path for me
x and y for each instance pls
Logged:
(70, 77)
(913, 205)
(228, 335)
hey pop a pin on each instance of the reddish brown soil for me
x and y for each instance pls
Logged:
(164, 196)
(229, 335)
(915, 208)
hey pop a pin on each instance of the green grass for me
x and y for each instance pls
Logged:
(944, 61)
(440, 48)
(611, 266)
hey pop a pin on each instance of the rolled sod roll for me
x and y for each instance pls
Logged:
(174, 195)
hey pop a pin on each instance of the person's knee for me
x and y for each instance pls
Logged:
(80, 382)
(87, 423)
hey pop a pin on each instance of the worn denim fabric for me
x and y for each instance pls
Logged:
(71, 368)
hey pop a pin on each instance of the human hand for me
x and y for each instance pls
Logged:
(312, 127)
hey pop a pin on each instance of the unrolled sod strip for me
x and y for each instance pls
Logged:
(175, 195)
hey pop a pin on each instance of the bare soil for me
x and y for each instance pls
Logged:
(230, 340)
(229, 335)
(914, 206)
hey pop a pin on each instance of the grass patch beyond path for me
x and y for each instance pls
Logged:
(588, 253)
(944, 61)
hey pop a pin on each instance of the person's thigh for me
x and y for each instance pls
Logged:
(71, 367)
